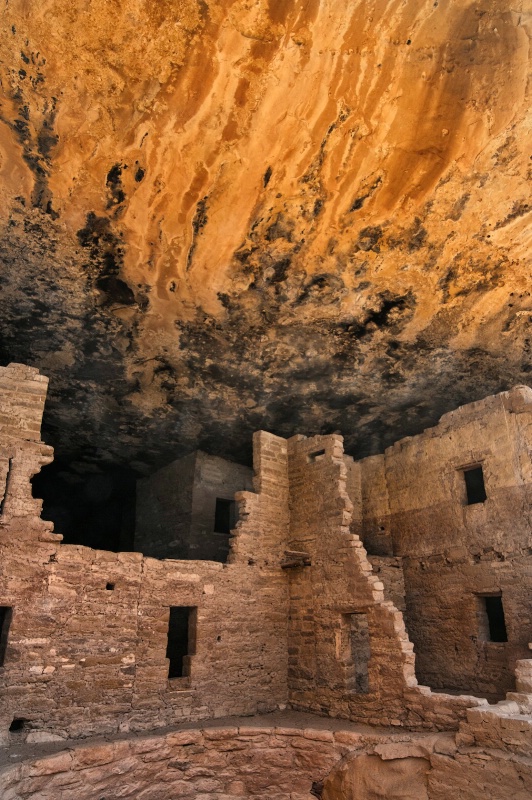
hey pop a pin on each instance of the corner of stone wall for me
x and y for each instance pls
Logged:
(340, 582)
(261, 533)
(506, 725)
(518, 399)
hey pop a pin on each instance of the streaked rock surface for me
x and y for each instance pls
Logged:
(224, 216)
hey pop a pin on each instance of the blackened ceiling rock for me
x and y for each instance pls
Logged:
(298, 216)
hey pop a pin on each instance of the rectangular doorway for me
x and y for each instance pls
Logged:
(181, 640)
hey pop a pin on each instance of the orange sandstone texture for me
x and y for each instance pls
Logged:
(218, 216)
(290, 757)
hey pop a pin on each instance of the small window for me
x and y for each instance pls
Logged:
(492, 621)
(474, 482)
(181, 640)
(224, 515)
(6, 615)
(17, 725)
(110, 587)
(315, 456)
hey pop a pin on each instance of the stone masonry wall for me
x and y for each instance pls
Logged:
(22, 454)
(287, 759)
(214, 478)
(333, 599)
(83, 659)
(210, 763)
(87, 644)
(454, 553)
(163, 513)
(175, 508)
(389, 570)
(23, 394)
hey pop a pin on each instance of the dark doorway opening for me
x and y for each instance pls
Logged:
(181, 640)
(95, 508)
(475, 488)
(17, 725)
(494, 627)
(224, 515)
(6, 615)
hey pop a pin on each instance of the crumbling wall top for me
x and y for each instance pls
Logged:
(22, 397)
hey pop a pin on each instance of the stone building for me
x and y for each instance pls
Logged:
(304, 616)
(453, 505)
(219, 217)
(187, 509)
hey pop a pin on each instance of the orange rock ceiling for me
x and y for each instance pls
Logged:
(298, 216)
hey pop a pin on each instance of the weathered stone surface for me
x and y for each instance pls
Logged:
(218, 216)
(83, 645)
(87, 634)
(197, 763)
(262, 767)
(455, 553)
(367, 777)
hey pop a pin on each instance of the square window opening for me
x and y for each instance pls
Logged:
(492, 620)
(110, 587)
(315, 456)
(475, 487)
(225, 515)
(181, 640)
(6, 615)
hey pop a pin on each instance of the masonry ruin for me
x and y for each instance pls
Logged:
(384, 592)
(187, 509)
(266, 266)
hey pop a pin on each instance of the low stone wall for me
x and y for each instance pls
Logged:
(290, 757)
(213, 762)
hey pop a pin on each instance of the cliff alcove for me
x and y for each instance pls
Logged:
(265, 270)
(224, 216)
